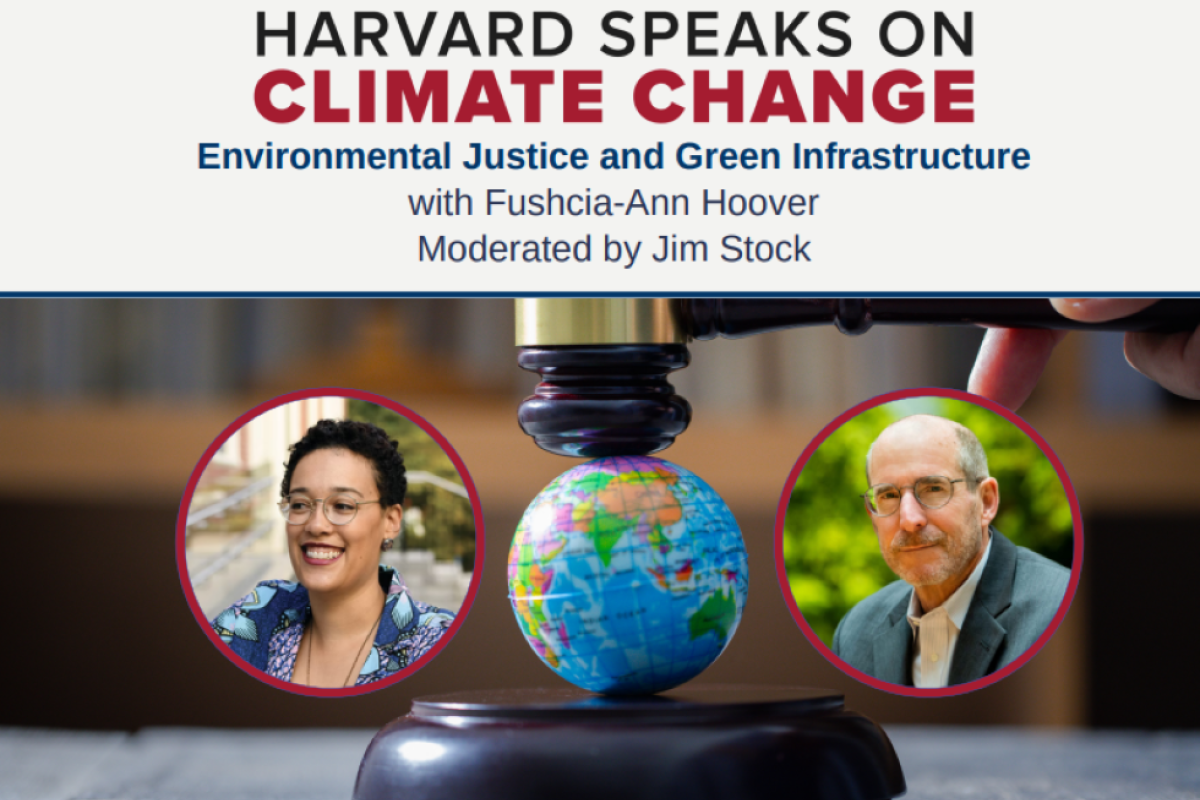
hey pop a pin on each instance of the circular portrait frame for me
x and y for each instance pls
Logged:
(1076, 545)
(206, 459)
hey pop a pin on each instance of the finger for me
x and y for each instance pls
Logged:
(1099, 309)
(1010, 362)
(1171, 360)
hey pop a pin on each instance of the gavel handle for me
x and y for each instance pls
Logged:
(732, 319)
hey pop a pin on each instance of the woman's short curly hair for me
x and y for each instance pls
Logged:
(363, 438)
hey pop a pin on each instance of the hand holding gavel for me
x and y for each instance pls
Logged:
(1011, 360)
(604, 362)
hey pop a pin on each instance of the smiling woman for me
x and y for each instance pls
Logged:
(341, 498)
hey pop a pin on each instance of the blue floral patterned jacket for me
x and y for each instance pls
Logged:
(265, 626)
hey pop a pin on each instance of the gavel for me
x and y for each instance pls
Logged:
(604, 362)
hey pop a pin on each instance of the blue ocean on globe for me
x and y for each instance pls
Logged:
(628, 575)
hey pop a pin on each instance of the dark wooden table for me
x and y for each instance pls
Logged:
(940, 763)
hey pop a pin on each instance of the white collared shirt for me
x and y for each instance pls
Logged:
(935, 634)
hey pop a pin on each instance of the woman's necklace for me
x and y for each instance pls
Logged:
(353, 664)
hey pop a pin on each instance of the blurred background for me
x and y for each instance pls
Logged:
(107, 405)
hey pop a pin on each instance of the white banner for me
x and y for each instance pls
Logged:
(836, 149)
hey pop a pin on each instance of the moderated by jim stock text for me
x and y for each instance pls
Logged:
(614, 250)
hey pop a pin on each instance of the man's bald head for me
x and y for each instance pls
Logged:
(927, 428)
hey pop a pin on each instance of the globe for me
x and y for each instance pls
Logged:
(628, 575)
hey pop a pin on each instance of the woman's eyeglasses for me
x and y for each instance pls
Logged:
(340, 509)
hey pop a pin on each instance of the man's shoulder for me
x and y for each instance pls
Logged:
(873, 610)
(883, 600)
(1038, 588)
(1027, 559)
(853, 641)
(1038, 575)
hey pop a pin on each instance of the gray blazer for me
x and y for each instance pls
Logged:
(1016, 598)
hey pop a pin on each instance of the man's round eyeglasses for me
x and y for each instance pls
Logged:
(340, 509)
(932, 491)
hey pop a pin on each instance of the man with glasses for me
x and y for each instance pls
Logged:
(969, 601)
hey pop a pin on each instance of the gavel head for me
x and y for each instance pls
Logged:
(604, 364)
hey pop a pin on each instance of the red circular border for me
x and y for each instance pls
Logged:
(1076, 560)
(181, 535)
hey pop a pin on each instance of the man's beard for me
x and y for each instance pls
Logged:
(956, 552)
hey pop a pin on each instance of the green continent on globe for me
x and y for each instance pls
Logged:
(718, 614)
(627, 575)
